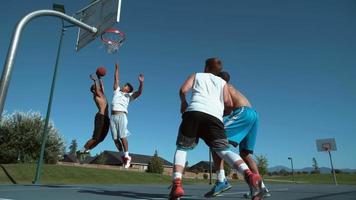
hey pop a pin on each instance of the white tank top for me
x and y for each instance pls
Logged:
(208, 95)
(121, 100)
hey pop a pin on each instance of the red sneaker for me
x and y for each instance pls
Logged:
(177, 190)
(255, 181)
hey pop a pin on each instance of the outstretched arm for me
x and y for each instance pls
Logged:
(98, 85)
(187, 85)
(138, 93)
(116, 77)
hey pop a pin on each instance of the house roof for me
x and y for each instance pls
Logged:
(114, 158)
(69, 158)
(201, 166)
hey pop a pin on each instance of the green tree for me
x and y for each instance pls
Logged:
(155, 165)
(21, 137)
(227, 169)
(262, 164)
(73, 146)
(316, 169)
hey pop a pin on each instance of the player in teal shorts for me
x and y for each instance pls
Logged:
(241, 130)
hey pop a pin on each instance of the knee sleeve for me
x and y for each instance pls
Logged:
(180, 157)
(228, 156)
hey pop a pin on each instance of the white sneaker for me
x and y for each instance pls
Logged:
(127, 162)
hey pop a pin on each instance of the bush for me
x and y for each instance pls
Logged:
(262, 164)
(155, 165)
(235, 176)
(205, 176)
(21, 137)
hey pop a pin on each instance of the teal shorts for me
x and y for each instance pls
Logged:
(241, 128)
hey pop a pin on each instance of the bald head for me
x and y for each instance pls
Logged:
(213, 65)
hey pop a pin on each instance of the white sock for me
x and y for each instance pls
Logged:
(82, 150)
(177, 175)
(263, 185)
(126, 154)
(220, 175)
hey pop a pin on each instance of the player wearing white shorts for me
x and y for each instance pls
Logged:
(123, 96)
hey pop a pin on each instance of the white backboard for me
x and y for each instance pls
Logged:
(328, 144)
(102, 14)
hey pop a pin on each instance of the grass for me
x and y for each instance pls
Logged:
(342, 179)
(58, 174)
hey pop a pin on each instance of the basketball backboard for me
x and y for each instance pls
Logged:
(328, 144)
(102, 14)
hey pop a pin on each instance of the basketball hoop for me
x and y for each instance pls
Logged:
(113, 39)
(326, 146)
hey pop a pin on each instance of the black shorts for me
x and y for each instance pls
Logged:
(101, 127)
(197, 125)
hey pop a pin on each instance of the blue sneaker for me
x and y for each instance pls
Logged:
(218, 188)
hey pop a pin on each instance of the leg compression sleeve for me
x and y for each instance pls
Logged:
(180, 157)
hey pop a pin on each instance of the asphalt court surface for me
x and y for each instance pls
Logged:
(156, 192)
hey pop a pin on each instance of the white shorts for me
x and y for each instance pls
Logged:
(118, 126)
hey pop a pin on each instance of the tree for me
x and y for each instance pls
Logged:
(155, 165)
(262, 164)
(73, 147)
(227, 169)
(21, 137)
(316, 169)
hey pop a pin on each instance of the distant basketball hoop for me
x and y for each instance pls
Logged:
(328, 145)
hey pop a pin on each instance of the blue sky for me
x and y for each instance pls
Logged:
(294, 60)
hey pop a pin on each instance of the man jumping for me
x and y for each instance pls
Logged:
(118, 123)
(203, 118)
(102, 121)
(241, 129)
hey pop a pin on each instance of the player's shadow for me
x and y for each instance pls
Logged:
(128, 194)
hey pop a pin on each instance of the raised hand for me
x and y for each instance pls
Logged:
(141, 78)
(93, 77)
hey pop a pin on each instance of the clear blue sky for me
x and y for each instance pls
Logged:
(294, 60)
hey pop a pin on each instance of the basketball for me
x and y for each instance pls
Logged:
(100, 71)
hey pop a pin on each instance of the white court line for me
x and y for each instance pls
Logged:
(5, 199)
(232, 193)
(43, 188)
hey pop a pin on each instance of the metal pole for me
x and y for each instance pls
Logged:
(11, 53)
(49, 107)
(332, 168)
(291, 162)
(210, 168)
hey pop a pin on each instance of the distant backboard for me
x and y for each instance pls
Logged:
(328, 144)
(102, 14)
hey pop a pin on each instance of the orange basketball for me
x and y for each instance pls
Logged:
(101, 71)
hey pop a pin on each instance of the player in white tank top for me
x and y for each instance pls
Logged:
(208, 95)
(202, 119)
(118, 122)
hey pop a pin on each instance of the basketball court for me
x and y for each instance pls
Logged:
(152, 192)
(99, 20)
